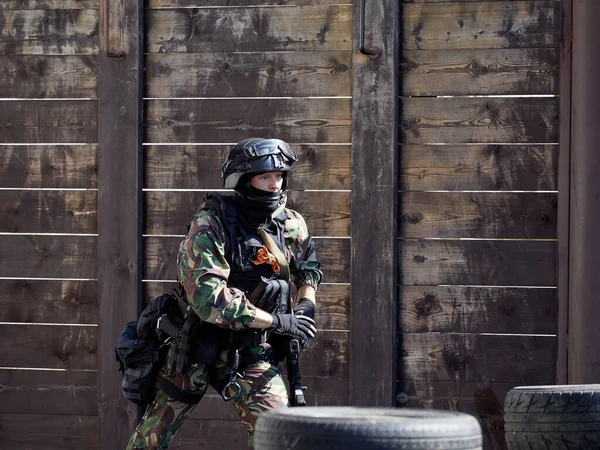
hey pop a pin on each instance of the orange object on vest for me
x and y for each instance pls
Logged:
(264, 256)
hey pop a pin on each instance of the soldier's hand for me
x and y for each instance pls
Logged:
(305, 307)
(301, 327)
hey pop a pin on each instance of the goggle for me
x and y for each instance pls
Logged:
(271, 147)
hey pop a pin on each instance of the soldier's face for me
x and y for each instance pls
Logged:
(268, 181)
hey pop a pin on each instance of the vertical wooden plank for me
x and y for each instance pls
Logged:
(119, 210)
(374, 201)
(564, 168)
(584, 240)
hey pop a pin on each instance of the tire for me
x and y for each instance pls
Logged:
(351, 428)
(553, 417)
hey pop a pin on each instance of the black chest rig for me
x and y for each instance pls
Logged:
(242, 244)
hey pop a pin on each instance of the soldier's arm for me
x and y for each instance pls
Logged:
(204, 271)
(305, 267)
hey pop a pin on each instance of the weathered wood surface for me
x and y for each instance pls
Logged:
(479, 120)
(60, 121)
(457, 309)
(120, 182)
(49, 32)
(197, 30)
(242, 3)
(48, 346)
(326, 213)
(40, 392)
(49, 4)
(48, 166)
(31, 256)
(480, 399)
(479, 72)
(478, 358)
(306, 120)
(374, 224)
(48, 76)
(477, 262)
(478, 167)
(43, 301)
(325, 167)
(478, 215)
(48, 211)
(48, 431)
(333, 302)
(269, 74)
(456, 25)
(160, 256)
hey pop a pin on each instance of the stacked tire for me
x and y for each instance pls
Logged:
(353, 428)
(557, 417)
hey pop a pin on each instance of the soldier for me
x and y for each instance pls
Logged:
(236, 264)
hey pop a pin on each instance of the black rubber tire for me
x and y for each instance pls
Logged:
(352, 428)
(553, 417)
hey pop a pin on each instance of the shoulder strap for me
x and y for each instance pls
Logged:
(270, 243)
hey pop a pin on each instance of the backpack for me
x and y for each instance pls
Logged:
(141, 350)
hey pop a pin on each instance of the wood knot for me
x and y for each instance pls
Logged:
(427, 306)
(412, 218)
(419, 259)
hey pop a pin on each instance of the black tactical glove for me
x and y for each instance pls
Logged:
(300, 327)
(305, 307)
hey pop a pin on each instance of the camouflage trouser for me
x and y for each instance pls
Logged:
(262, 389)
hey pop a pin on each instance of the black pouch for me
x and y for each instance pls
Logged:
(138, 361)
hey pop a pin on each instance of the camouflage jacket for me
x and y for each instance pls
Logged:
(203, 269)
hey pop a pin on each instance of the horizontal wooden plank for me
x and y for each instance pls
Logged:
(49, 32)
(488, 263)
(242, 3)
(455, 25)
(31, 256)
(60, 121)
(479, 120)
(45, 301)
(479, 72)
(49, 346)
(333, 303)
(160, 258)
(49, 76)
(39, 392)
(480, 399)
(51, 431)
(48, 211)
(326, 213)
(478, 215)
(197, 30)
(325, 167)
(477, 310)
(210, 433)
(285, 74)
(313, 120)
(478, 167)
(478, 358)
(48, 166)
(49, 4)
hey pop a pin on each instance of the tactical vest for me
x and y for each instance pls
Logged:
(242, 244)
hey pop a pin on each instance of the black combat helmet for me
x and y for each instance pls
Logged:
(256, 155)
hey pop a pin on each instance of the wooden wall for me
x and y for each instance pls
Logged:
(478, 203)
(48, 183)
(219, 72)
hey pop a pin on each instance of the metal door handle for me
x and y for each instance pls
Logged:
(111, 53)
(371, 52)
